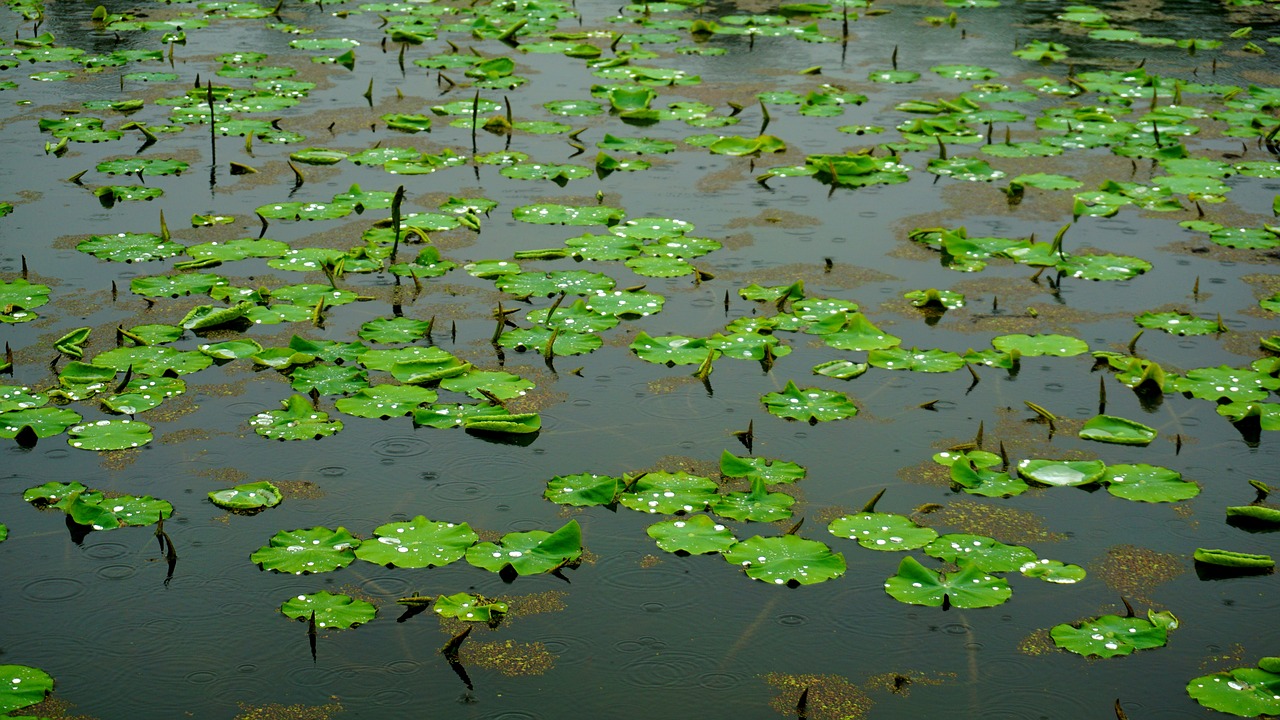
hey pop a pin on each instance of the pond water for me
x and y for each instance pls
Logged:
(634, 630)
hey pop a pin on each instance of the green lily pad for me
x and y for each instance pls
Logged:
(153, 360)
(470, 608)
(445, 416)
(307, 550)
(984, 553)
(575, 318)
(1109, 636)
(1267, 414)
(504, 423)
(552, 214)
(1035, 345)
(1053, 571)
(44, 421)
(329, 379)
(969, 587)
(860, 334)
(92, 509)
(813, 405)
(786, 560)
(935, 299)
(144, 393)
(1062, 473)
(418, 543)
(915, 359)
(583, 489)
(499, 384)
(1247, 692)
(670, 493)
(758, 505)
(548, 284)
(129, 247)
(238, 250)
(231, 349)
(109, 435)
(624, 303)
(175, 285)
(1177, 323)
(1102, 267)
(18, 297)
(247, 497)
(410, 123)
(1111, 429)
(1225, 383)
(394, 330)
(305, 210)
(962, 168)
(882, 531)
(984, 481)
(530, 553)
(773, 472)
(297, 421)
(694, 535)
(840, 369)
(563, 342)
(13, 397)
(1148, 483)
(22, 686)
(282, 358)
(385, 401)
(894, 76)
(331, 612)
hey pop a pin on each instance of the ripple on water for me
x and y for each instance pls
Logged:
(569, 649)
(631, 572)
(687, 403)
(117, 571)
(54, 589)
(668, 668)
(107, 550)
(399, 446)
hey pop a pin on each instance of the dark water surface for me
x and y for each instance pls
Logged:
(637, 632)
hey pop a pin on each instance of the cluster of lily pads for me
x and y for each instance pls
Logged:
(1133, 113)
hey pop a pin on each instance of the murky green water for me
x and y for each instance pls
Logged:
(636, 631)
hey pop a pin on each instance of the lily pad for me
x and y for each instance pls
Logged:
(984, 481)
(44, 421)
(530, 553)
(109, 435)
(22, 686)
(1061, 473)
(813, 405)
(247, 497)
(394, 330)
(1111, 429)
(773, 472)
(94, 510)
(985, 553)
(307, 550)
(1053, 571)
(670, 493)
(583, 489)
(1148, 483)
(329, 379)
(331, 612)
(694, 535)
(129, 247)
(915, 359)
(385, 401)
(968, 587)
(882, 531)
(1109, 636)
(418, 543)
(297, 421)
(786, 560)
(1035, 345)
(1247, 692)
(1177, 323)
(758, 505)
(860, 334)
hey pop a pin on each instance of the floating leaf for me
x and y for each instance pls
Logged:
(144, 393)
(694, 535)
(22, 686)
(882, 531)
(330, 612)
(773, 472)
(1035, 345)
(758, 505)
(529, 553)
(394, 330)
(1177, 323)
(670, 493)
(129, 247)
(385, 401)
(915, 359)
(329, 379)
(574, 282)
(247, 497)
(307, 550)
(969, 587)
(786, 560)
(92, 509)
(153, 360)
(860, 334)
(418, 543)
(1225, 383)
(470, 608)
(583, 489)
(1248, 692)
(1111, 429)
(810, 404)
(984, 553)
(1062, 473)
(985, 481)
(1053, 571)
(1109, 636)
(297, 421)
(1148, 483)
(44, 421)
